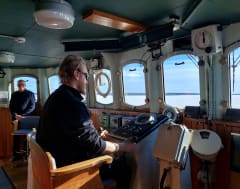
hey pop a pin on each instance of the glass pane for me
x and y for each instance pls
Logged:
(134, 84)
(181, 80)
(53, 83)
(31, 84)
(234, 60)
(103, 86)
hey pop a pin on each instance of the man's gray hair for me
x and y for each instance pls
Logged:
(68, 66)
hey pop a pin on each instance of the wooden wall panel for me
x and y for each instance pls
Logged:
(235, 180)
(195, 123)
(6, 130)
(223, 159)
(234, 176)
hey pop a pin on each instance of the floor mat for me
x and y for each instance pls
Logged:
(5, 181)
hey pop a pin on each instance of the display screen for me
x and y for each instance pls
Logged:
(204, 134)
(235, 152)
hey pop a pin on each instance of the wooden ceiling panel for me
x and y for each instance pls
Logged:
(112, 21)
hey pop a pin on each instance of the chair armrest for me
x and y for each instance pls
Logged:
(15, 125)
(94, 162)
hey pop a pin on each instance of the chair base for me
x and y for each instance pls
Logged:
(109, 184)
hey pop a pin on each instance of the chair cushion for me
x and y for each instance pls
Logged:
(22, 132)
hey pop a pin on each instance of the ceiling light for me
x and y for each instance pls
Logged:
(2, 73)
(7, 57)
(54, 14)
(16, 39)
(176, 23)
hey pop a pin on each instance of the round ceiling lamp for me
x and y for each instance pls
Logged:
(54, 14)
(16, 39)
(7, 57)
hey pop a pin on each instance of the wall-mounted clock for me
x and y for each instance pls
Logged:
(206, 40)
(203, 39)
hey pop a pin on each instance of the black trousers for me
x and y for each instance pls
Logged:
(19, 145)
(120, 170)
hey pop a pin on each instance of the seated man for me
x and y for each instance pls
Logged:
(65, 128)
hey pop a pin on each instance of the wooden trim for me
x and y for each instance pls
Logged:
(95, 162)
(109, 20)
(84, 174)
(6, 129)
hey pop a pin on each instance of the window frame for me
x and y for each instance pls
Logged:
(28, 75)
(95, 97)
(134, 61)
(228, 87)
(170, 55)
(49, 83)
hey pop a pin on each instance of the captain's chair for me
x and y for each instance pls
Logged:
(82, 175)
(22, 129)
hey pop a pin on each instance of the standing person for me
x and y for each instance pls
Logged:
(22, 103)
(65, 128)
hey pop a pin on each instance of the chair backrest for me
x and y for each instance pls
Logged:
(45, 175)
(28, 122)
(42, 165)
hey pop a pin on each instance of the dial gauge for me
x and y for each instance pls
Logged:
(203, 39)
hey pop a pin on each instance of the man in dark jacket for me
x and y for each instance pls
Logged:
(65, 128)
(22, 103)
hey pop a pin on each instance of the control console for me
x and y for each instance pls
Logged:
(138, 128)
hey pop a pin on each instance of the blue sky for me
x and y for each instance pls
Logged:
(180, 78)
(236, 57)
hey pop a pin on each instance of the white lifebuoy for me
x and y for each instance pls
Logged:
(98, 76)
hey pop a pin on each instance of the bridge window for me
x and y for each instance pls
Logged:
(234, 60)
(181, 80)
(103, 86)
(53, 83)
(134, 84)
(31, 84)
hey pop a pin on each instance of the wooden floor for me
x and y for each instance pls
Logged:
(17, 172)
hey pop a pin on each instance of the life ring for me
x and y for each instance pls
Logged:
(98, 76)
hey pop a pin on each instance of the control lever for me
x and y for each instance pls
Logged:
(165, 171)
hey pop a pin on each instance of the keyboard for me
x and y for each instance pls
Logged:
(134, 132)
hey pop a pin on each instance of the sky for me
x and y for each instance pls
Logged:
(181, 78)
(235, 57)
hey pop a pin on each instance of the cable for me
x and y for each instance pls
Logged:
(208, 184)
